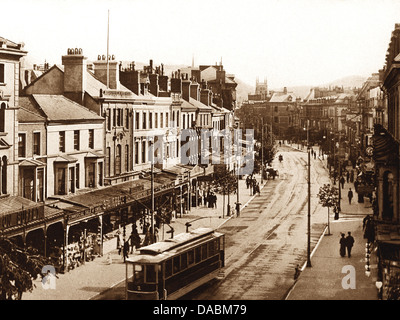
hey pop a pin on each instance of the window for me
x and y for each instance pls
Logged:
(150, 273)
(4, 175)
(119, 117)
(40, 179)
(114, 117)
(76, 139)
(2, 73)
(77, 175)
(61, 139)
(108, 161)
(60, 178)
(108, 119)
(168, 268)
(197, 254)
(136, 152)
(190, 257)
(143, 151)
(22, 145)
(71, 180)
(36, 143)
(151, 120)
(177, 118)
(204, 251)
(144, 121)
(177, 264)
(100, 173)
(184, 261)
(127, 119)
(166, 120)
(137, 119)
(118, 160)
(126, 158)
(161, 120)
(90, 169)
(91, 138)
(2, 116)
(183, 122)
(156, 120)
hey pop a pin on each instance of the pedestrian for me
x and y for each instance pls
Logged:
(349, 243)
(342, 182)
(248, 182)
(258, 188)
(352, 176)
(126, 250)
(350, 195)
(315, 155)
(342, 245)
(347, 176)
(297, 272)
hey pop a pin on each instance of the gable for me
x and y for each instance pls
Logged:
(50, 82)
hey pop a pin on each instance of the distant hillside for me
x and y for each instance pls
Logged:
(243, 90)
(348, 82)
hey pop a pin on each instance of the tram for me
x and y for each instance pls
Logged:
(171, 268)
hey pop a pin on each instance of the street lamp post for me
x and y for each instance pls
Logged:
(309, 205)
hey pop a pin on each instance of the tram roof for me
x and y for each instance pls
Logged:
(164, 249)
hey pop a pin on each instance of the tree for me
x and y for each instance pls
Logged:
(329, 197)
(18, 268)
(224, 181)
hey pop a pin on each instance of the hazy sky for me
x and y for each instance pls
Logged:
(288, 42)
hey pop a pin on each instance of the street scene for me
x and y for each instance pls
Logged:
(173, 180)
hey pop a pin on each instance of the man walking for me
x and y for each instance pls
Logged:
(349, 243)
(350, 195)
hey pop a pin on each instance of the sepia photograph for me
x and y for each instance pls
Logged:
(212, 153)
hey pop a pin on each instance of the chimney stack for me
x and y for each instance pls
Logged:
(154, 86)
(130, 78)
(75, 71)
(186, 89)
(100, 71)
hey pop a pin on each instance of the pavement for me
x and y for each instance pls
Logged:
(97, 276)
(330, 276)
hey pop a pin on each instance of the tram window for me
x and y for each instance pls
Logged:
(150, 273)
(177, 264)
(139, 274)
(168, 268)
(197, 254)
(190, 257)
(184, 261)
(213, 247)
(204, 251)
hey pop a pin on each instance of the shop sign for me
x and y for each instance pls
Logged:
(21, 217)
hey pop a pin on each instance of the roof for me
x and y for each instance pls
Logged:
(25, 115)
(60, 108)
(93, 84)
(187, 106)
(15, 203)
(282, 97)
(199, 105)
(32, 163)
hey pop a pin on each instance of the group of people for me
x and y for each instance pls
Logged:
(346, 243)
(252, 184)
(134, 241)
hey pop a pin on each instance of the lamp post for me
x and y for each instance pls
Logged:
(309, 204)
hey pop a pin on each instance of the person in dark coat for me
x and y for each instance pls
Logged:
(349, 243)
(126, 250)
(342, 245)
(350, 195)
(342, 182)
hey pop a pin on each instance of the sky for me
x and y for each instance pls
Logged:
(286, 42)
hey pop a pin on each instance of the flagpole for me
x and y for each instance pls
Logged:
(108, 67)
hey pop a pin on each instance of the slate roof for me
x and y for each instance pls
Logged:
(60, 108)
